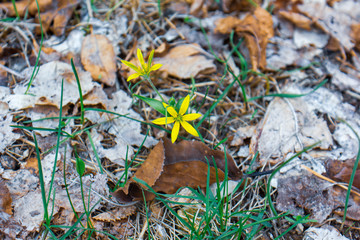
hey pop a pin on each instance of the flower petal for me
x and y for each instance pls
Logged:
(150, 58)
(191, 116)
(163, 120)
(170, 110)
(190, 129)
(132, 66)
(141, 59)
(155, 67)
(175, 132)
(185, 105)
(133, 76)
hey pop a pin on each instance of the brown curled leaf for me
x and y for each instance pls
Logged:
(341, 171)
(172, 166)
(257, 29)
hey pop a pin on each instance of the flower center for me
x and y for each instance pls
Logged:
(178, 118)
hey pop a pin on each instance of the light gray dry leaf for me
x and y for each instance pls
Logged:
(4, 107)
(331, 103)
(46, 87)
(20, 182)
(99, 189)
(72, 43)
(345, 81)
(283, 52)
(29, 210)
(280, 53)
(48, 167)
(241, 134)
(46, 111)
(336, 20)
(115, 30)
(305, 192)
(288, 126)
(315, 38)
(325, 232)
(7, 136)
(127, 131)
(186, 61)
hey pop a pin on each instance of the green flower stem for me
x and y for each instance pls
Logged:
(147, 77)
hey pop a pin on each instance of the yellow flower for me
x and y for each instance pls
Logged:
(144, 69)
(179, 118)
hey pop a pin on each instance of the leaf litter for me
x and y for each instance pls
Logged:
(321, 37)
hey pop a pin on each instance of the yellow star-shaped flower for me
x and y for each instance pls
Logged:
(180, 118)
(144, 69)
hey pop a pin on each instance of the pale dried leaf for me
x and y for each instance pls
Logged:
(304, 38)
(298, 19)
(127, 131)
(241, 134)
(98, 57)
(336, 20)
(7, 136)
(116, 214)
(297, 193)
(325, 232)
(46, 87)
(29, 210)
(20, 182)
(5, 199)
(99, 188)
(343, 80)
(186, 61)
(288, 126)
(4, 107)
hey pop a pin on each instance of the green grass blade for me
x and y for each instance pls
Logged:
(41, 179)
(37, 67)
(15, 9)
(95, 152)
(216, 103)
(80, 91)
(289, 95)
(67, 190)
(57, 141)
(352, 177)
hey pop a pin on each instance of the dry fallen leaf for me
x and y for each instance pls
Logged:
(355, 34)
(115, 214)
(56, 12)
(288, 126)
(257, 29)
(29, 210)
(325, 232)
(21, 7)
(46, 87)
(298, 19)
(340, 171)
(299, 193)
(335, 20)
(239, 5)
(186, 61)
(172, 166)
(5, 199)
(304, 193)
(98, 57)
(7, 136)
